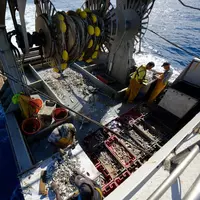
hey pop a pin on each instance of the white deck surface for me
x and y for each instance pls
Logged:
(182, 184)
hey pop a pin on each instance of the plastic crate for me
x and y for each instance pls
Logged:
(137, 164)
(95, 160)
(124, 120)
(122, 177)
(109, 143)
(108, 188)
(93, 141)
(128, 118)
(104, 172)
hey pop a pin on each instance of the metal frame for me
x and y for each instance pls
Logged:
(7, 58)
(157, 194)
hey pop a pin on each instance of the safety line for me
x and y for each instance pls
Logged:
(172, 43)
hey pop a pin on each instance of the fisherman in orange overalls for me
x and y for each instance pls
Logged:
(137, 80)
(162, 80)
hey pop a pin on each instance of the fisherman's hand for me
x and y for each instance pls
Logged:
(54, 187)
(77, 172)
(158, 76)
(56, 190)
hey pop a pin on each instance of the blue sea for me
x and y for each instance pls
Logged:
(169, 18)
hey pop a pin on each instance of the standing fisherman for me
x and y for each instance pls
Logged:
(162, 80)
(137, 80)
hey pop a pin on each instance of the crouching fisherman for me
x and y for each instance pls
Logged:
(63, 135)
(87, 189)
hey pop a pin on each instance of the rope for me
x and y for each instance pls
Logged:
(77, 35)
(172, 43)
(188, 6)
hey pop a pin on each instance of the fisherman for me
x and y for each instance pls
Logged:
(88, 189)
(137, 80)
(162, 80)
(63, 135)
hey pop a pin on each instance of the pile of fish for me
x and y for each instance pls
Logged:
(145, 144)
(110, 163)
(59, 171)
(130, 147)
(70, 82)
(79, 94)
(121, 152)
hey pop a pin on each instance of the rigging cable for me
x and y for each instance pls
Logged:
(172, 43)
(188, 6)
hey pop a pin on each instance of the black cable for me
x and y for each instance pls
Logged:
(172, 43)
(13, 47)
(188, 6)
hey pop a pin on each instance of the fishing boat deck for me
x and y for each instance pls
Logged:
(158, 133)
(95, 105)
(131, 189)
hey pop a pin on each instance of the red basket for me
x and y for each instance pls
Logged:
(109, 144)
(120, 179)
(108, 188)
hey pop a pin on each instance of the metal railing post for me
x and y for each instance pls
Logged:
(194, 192)
(174, 175)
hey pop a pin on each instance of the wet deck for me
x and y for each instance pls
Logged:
(76, 94)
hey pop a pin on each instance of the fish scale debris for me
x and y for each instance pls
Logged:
(60, 172)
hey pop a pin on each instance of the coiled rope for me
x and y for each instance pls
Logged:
(77, 35)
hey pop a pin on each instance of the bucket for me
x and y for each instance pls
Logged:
(60, 114)
(37, 104)
(31, 126)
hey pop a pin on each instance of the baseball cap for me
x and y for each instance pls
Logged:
(86, 192)
(165, 64)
